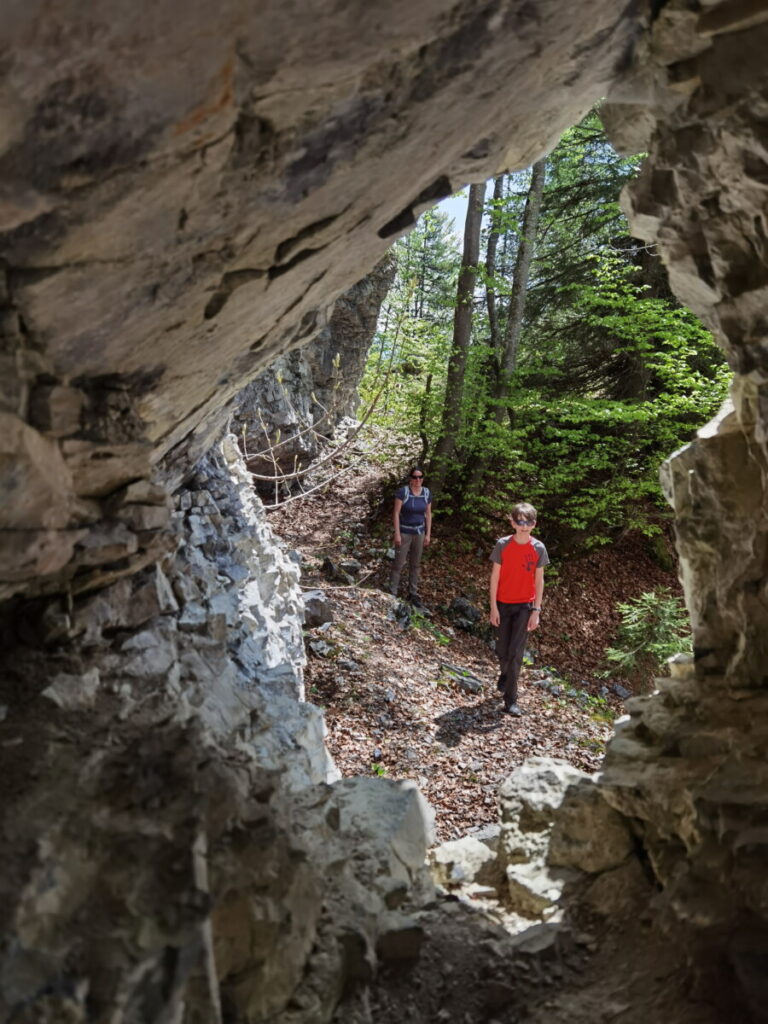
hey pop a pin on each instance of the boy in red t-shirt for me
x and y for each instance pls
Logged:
(517, 587)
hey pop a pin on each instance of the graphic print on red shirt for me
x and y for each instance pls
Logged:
(519, 562)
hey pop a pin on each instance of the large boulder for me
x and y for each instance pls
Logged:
(555, 825)
(317, 608)
(464, 862)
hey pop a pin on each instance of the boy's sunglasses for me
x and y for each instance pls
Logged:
(524, 522)
(417, 476)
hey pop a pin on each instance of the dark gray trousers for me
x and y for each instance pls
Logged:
(510, 645)
(411, 544)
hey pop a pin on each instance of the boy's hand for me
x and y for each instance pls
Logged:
(495, 618)
(398, 540)
(533, 621)
(427, 539)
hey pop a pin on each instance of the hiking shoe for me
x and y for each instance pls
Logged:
(417, 603)
(514, 710)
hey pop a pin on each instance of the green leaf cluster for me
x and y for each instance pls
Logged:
(412, 343)
(589, 456)
(654, 627)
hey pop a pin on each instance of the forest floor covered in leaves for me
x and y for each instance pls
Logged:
(389, 686)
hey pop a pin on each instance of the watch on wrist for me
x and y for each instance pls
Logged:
(535, 609)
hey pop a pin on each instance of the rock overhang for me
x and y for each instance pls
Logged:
(206, 190)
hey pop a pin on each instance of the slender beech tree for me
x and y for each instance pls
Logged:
(525, 250)
(490, 265)
(462, 331)
(489, 370)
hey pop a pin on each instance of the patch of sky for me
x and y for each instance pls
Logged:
(456, 208)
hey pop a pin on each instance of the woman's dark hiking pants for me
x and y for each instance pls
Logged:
(510, 645)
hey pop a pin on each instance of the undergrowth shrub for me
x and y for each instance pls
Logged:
(654, 627)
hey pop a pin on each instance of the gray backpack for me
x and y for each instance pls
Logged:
(408, 495)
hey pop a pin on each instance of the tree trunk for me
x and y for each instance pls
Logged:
(490, 368)
(462, 329)
(424, 453)
(514, 327)
(422, 278)
(490, 265)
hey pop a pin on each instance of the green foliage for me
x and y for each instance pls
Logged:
(419, 621)
(591, 459)
(410, 352)
(604, 715)
(600, 709)
(378, 769)
(580, 214)
(591, 743)
(653, 627)
(612, 374)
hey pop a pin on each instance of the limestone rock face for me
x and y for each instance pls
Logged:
(291, 408)
(689, 762)
(556, 828)
(179, 796)
(183, 198)
(463, 862)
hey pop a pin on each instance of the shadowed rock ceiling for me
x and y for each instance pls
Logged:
(185, 193)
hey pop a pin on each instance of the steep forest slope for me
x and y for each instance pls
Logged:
(392, 681)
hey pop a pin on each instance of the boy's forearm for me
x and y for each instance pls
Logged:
(493, 588)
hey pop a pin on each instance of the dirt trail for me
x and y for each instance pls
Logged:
(392, 707)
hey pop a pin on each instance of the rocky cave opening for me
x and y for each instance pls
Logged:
(184, 194)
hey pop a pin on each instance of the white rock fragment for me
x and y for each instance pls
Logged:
(73, 693)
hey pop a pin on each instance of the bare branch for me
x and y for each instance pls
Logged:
(332, 455)
(323, 483)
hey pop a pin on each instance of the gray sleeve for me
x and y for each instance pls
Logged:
(496, 553)
(541, 551)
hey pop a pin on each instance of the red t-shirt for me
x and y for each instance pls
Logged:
(519, 562)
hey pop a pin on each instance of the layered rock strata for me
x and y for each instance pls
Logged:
(287, 415)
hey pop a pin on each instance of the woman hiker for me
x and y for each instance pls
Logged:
(412, 519)
(516, 590)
